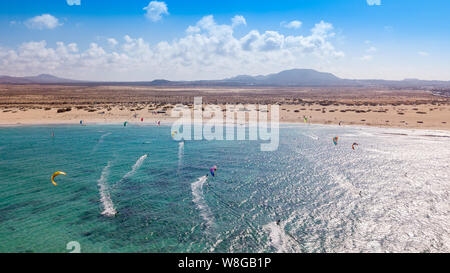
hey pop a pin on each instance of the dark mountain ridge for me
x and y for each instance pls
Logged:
(286, 78)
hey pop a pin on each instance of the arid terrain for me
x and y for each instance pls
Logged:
(64, 104)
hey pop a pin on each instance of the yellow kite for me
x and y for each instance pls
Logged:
(55, 175)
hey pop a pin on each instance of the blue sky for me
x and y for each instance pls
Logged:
(182, 40)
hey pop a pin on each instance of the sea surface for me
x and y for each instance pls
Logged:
(135, 189)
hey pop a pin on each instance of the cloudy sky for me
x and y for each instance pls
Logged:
(190, 40)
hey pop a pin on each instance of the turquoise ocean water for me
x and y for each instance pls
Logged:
(135, 189)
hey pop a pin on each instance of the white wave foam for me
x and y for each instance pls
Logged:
(214, 246)
(105, 198)
(135, 167)
(199, 200)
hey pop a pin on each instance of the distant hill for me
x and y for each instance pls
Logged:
(40, 79)
(293, 77)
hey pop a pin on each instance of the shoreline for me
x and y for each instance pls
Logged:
(92, 119)
(167, 124)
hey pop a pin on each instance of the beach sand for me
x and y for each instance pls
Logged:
(54, 104)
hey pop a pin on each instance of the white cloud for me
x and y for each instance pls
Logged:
(44, 21)
(366, 58)
(155, 10)
(373, 2)
(112, 41)
(323, 29)
(293, 24)
(371, 49)
(72, 47)
(423, 53)
(73, 2)
(207, 50)
(238, 20)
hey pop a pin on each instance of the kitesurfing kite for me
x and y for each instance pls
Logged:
(354, 144)
(159, 122)
(142, 119)
(55, 175)
(213, 170)
(335, 140)
(125, 124)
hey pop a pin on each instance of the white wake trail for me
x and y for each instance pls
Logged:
(199, 200)
(100, 141)
(105, 198)
(180, 154)
(102, 137)
(376, 151)
(312, 136)
(135, 167)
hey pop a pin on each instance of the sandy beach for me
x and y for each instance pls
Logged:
(54, 104)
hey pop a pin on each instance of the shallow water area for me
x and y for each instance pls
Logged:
(135, 189)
